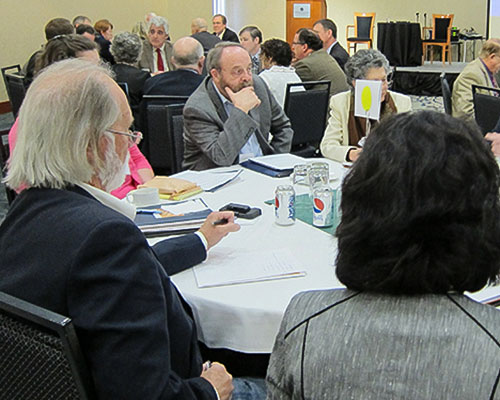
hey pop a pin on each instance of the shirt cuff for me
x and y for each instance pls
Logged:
(205, 244)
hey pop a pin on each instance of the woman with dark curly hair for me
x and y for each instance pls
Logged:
(420, 225)
(275, 59)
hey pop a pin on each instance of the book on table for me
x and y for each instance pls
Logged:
(172, 218)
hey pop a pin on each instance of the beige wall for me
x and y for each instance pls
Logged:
(22, 24)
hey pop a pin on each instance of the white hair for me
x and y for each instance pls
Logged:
(158, 21)
(66, 111)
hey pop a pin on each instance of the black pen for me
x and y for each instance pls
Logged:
(222, 221)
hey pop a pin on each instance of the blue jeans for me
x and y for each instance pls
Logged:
(249, 389)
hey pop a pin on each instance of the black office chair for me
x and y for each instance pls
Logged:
(486, 107)
(4, 157)
(40, 355)
(446, 93)
(307, 111)
(124, 87)
(150, 100)
(15, 90)
(164, 140)
(175, 132)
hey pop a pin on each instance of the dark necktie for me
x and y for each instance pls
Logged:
(159, 62)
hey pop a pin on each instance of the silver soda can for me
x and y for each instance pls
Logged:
(284, 205)
(322, 206)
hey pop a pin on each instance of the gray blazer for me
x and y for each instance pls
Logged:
(147, 60)
(214, 139)
(340, 344)
(320, 66)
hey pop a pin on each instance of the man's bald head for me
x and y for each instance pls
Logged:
(188, 53)
(199, 25)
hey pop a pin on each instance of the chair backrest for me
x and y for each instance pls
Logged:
(40, 354)
(124, 87)
(15, 90)
(446, 92)
(165, 141)
(154, 100)
(441, 26)
(4, 157)
(307, 111)
(363, 25)
(176, 134)
(16, 69)
(486, 107)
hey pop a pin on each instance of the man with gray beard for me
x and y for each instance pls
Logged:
(232, 114)
(67, 245)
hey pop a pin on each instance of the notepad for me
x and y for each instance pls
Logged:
(231, 268)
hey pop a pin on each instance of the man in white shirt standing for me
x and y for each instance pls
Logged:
(157, 51)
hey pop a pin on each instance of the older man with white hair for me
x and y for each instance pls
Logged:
(70, 247)
(157, 49)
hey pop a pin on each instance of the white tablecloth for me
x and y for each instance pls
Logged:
(246, 317)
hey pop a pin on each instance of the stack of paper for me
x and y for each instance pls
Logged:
(172, 219)
(487, 295)
(279, 162)
(226, 268)
(210, 180)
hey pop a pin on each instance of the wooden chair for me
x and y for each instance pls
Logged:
(441, 36)
(363, 31)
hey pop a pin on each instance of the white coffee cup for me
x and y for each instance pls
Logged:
(144, 197)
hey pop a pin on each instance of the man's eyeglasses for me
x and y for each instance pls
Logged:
(134, 137)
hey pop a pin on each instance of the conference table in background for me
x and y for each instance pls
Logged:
(401, 43)
(246, 317)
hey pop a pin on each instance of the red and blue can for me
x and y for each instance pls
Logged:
(323, 206)
(284, 205)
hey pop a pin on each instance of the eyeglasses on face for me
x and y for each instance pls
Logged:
(134, 137)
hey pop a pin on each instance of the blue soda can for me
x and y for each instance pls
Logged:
(284, 205)
(323, 206)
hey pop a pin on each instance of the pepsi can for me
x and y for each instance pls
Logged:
(322, 206)
(284, 205)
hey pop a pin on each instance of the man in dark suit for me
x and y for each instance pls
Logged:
(69, 246)
(188, 60)
(225, 34)
(327, 31)
(231, 114)
(314, 64)
(199, 31)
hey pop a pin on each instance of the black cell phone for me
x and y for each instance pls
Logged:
(242, 210)
(237, 208)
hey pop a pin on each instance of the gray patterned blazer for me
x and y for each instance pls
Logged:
(340, 344)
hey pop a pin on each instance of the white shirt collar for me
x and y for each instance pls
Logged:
(121, 206)
(331, 46)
